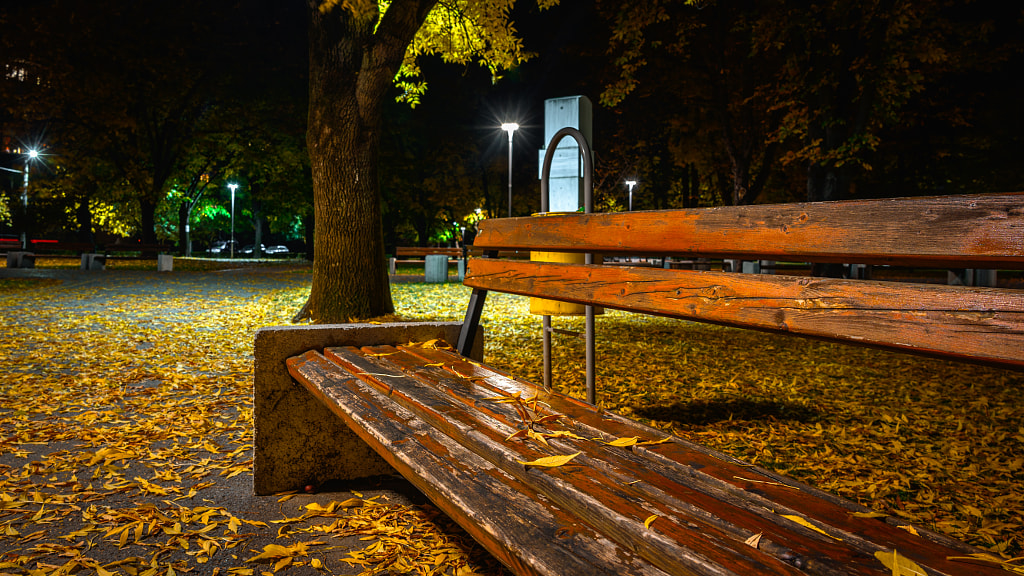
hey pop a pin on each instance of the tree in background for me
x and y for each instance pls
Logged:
(820, 96)
(131, 93)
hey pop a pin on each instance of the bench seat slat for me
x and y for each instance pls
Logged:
(976, 324)
(684, 494)
(501, 513)
(750, 484)
(976, 231)
(683, 546)
(444, 404)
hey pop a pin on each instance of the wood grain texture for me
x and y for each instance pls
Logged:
(971, 231)
(683, 543)
(434, 415)
(744, 496)
(505, 516)
(978, 324)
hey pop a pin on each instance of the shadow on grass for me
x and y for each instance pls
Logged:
(701, 412)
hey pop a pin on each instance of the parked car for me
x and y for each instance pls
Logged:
(276, 250)
(247, 250)
(223, 247)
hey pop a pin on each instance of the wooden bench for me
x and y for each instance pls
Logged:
(136, 251)
(632, 501)
(51, 248)
(58, 248)
(404, 253)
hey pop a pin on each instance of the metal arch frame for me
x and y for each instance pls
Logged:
(471, 323)
(588, 207)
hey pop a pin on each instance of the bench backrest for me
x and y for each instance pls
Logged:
(137, 247)
(55, 246)
(972, 231)
(426, 251)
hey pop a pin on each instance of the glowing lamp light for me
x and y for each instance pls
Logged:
(511, 128)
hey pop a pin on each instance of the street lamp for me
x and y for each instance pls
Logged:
(233, 187)
(630, 184)
(32, 155)
(511, 128)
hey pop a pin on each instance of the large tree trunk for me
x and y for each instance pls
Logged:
(353, 62)
(147, 209)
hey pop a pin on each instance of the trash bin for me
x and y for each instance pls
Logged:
(435, 268)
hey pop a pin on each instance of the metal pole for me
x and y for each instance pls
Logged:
(630, 184)
(510, 133)
(232, 222)
(588, 207)
(233, 188)
(546, 323)
(24, 209)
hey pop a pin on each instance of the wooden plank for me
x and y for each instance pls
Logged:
(44, 246)
(684, 542)
(693, 501)
(416, 251)
(733, 490)
(511, 521)
(983, 325)
(970, 231)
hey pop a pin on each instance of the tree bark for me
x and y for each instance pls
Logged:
(352, 67)
(147, 210)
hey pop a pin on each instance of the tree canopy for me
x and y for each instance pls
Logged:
(834, 99)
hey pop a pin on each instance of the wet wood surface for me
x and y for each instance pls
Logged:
(970, 231)
(457, 430)
(978, 324)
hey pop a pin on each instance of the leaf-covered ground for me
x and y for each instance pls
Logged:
(125, 426)
(126, 438)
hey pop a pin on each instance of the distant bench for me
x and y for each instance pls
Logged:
(434, 270)
(136, 251)
(18, 258)
(89, 253)
(619, 497)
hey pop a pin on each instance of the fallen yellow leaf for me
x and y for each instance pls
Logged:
(550, 461)
(624, 442)
(899, 565)
(804, 522)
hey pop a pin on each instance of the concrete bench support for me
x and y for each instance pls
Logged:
(94, 262)
(297, 440)
(164, 263)
(21, 259)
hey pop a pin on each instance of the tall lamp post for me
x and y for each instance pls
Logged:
(32, 155)
(630, 184)
(233, 187)
(511, 128)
